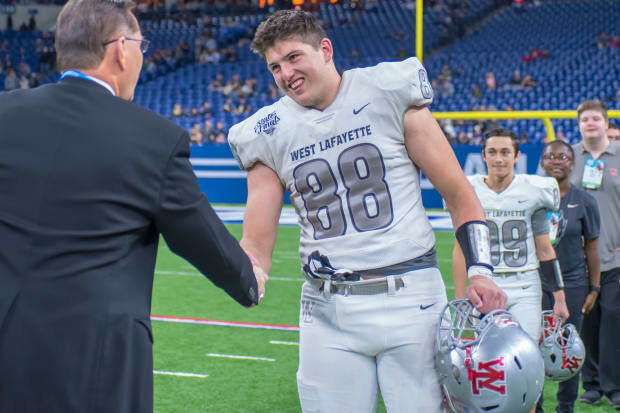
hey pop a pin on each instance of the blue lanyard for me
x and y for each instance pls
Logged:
(75, 73)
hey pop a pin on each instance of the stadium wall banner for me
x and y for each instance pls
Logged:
(224, 183)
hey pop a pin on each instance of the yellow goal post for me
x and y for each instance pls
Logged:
(544, 115)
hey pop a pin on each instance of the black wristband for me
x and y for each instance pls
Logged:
(473, 238)
(552, 274)
(596, 288)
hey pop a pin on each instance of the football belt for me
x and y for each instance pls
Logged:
(320, 268)
(321, 274)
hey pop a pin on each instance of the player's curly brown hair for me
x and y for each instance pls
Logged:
(285, 25)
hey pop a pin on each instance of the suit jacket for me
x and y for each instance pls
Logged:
(88, 181)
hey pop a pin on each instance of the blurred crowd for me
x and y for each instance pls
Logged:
(223, 34)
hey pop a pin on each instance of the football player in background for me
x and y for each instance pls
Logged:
(516, 208)
(516, 212)
(348, 149)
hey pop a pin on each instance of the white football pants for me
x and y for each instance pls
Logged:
(353, 346)
(524, 294)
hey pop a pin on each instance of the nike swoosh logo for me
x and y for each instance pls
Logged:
(424, 307)
(520, 201)
(525, 288)
(572, 205)
(355, 112)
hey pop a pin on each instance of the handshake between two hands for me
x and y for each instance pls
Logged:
(261, 280)
(260, 275)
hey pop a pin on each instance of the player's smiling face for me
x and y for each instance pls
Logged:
(557, 161)
(592, 124)
(301, 70)
(500, 157)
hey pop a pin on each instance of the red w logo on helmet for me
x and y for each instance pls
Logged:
(486, 376)
(572, 364)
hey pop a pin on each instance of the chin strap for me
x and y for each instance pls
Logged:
(319, 267)
(468, 364)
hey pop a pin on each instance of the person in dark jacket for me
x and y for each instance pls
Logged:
(88, 182)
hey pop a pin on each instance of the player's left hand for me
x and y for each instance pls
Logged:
(560, 310)
(485, 295)
(588, 305)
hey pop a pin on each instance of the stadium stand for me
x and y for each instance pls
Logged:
(388, 29)
(575, 70)
(464, 41)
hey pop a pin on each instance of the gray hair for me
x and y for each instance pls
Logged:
(84, 25)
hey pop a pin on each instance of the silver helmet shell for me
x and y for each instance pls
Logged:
(561, 347)
(487, 364)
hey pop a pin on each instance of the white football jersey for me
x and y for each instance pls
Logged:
(509, 216)
(352, 183)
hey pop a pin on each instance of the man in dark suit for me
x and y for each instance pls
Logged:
(88, 182)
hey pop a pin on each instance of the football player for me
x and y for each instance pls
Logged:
(349, 149)
(516, 208)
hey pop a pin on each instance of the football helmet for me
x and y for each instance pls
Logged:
(486, 364)
(561, 347)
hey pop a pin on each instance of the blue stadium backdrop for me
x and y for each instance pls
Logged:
(223, 182)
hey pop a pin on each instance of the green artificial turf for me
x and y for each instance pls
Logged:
(245, 385)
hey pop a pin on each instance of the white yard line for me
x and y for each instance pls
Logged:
(162, 272)
(197, 274)
(180, 374)
(235, 356)
(285, 343)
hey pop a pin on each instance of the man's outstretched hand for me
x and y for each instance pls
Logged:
(261, 280)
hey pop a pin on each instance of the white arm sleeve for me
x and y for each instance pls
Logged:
(540, 223)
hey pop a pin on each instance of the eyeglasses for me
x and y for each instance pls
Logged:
(144, 44)
(553, 156)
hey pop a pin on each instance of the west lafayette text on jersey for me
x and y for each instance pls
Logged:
(334, 141)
